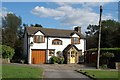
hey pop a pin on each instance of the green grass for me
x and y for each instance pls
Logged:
(103, 74)
(12, 71)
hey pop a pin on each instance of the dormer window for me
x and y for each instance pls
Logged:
(39, 39)
(56, 42)
(75, 40)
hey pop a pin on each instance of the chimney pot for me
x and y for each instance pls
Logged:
(78, 29)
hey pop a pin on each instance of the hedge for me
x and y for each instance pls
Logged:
(117, 49)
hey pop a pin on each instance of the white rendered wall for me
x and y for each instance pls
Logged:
(65, 43)
(39, 45)
(80, 46)
(36, 45)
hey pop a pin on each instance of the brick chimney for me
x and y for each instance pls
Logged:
(78, 29)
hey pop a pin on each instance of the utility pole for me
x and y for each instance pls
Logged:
(100, 22)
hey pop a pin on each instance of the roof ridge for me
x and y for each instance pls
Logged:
(50, 28)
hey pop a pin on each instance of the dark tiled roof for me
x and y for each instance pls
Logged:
(69, 47)
(52, 32)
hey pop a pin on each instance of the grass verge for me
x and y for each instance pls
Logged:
(23, 72)
(100, 74)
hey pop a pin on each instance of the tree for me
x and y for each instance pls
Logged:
(11, 23)
(110, 35)
(92, 36)
(36, 25)
(12, 33)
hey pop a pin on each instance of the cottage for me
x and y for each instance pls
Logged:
(42, 43)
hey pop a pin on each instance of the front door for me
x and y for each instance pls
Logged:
(72, 57)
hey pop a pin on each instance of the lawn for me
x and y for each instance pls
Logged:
(23, 72)
(103, 74)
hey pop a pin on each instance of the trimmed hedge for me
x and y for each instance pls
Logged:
(116, 49)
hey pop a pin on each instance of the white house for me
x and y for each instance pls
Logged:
(42, 43)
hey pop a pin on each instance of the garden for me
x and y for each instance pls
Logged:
(108, 57)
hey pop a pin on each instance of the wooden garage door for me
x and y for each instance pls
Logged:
(38, 56)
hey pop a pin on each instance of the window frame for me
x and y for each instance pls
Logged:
(51, 52)
(57, 42)
(37, 39)
(73, 42)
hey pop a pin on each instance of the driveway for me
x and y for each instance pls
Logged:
(50, 73)
(62, 71)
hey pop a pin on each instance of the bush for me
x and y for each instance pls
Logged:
(105, 57)
(22, 61)
(58, 59)
(108, 55)
(104, 66)
(59, 53)
(7, 52)
(54, 59)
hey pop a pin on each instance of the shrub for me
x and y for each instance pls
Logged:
(59, 53)
(58, 59)
(104, 66)
(22, 61)
(106, 57)
(7, 52)
(54, 59)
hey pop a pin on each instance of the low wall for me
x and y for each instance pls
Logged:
(117, 65)
(6, 60)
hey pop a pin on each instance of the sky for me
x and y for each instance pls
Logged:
(61, 15)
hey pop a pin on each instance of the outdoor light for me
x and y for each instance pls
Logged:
(31, 44)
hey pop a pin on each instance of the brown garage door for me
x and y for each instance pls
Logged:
(38, 57)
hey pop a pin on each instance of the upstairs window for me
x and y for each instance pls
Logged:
(39, 39)
(75, 40)
(56, 42)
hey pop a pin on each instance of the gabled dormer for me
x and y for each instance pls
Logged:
(38, 37)
(75, 38)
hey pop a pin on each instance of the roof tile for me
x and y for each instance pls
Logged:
(53, 32)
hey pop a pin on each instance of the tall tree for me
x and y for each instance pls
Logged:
(110, 34)
(11, 23)
(12, 32)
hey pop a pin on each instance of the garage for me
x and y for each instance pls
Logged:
(38, 57)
